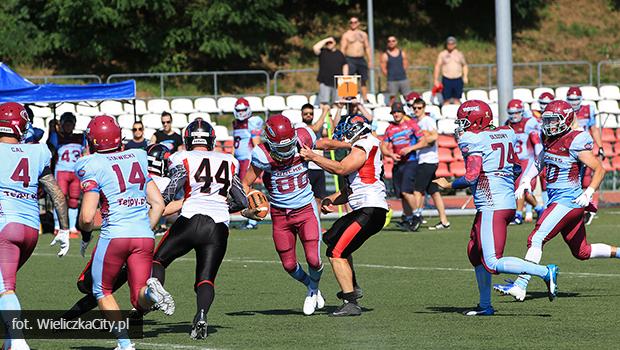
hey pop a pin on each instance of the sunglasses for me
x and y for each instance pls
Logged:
(166, 122)
(417, 108)
(353, 22)
(308, 113)
(391, 41)
(136, 129)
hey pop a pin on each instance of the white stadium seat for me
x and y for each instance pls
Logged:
(206, 104)
(372, 100)
(296, 101)
(427, 96)
(316, 115)
(560, 93)
(382, 99)
(42, 112)
(140, 107)
(113, 108)
(182, 105)
(64, 107)
(179, 120)
(127, 134)
(334, 110)
(204, 116)
(81, 122)
(609, 92)
(158, 106)
(221, 133)
(381, 127)
(540, 90)
(88, 110)
(148, 132)
(608, 106)
(449, 111)
(152, 121)
(523, 94)
(382, 114)
(493, 95)
(590, 93)
(607, 120)
(446, 126)
(478, 95)
(494, 109)
(294, 115)
(226, 104)
(125, 121)
(256, 104)
(274, 103)
(434, 111)
(38, 123)
(313, 100)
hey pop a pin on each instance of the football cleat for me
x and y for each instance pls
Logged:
(529, 217)
(130, 347)
(320, 301)
(440, 226)
(552, 280)
(510, 289)
(19, 344)
(165, 303)
(249, 227)
(310, 303)
(388, 217)
(478, 311)
(199, 329)
(516, 221)
(415, 223)
(347, 309)
(588, 217)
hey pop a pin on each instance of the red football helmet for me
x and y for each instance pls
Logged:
(103, 134)
(13, 119)
(544, 99)
(515, 110)
(557, 118)
(242, 109)
(412, 96)
(574, 97)
(473, 115)
(281, 137)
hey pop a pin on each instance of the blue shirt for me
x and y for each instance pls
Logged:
(120, 178)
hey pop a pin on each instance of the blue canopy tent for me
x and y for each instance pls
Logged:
(15, 88)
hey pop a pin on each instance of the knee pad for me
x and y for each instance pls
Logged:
(72, 203)
(290, 265)
(583, 253)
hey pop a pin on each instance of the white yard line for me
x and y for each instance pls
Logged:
(373, 266)
(140, 344)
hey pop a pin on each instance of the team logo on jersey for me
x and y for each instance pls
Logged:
(81, 172)
(588, 146)
(464, 149)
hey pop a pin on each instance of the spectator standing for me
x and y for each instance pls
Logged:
(331, 62)
(354, 44)
(167, 136)
(316, 175)
(453, 68)
(138, 140)
(428, 161)
(394, 64)
(403, 137)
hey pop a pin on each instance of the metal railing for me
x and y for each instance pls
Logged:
(81, 77)
(215, 75)
(612, 63)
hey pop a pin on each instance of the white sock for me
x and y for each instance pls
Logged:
(600, 250)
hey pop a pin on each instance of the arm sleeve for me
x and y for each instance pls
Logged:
(255, 124)
(473, 167)
(259, 159)
(178, 177)
(237, 199)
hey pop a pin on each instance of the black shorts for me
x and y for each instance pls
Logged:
(404, 177)
(358, 65)
(201, 234)
(452, 88)
(317, 181)
(425, 175)
(351, 231)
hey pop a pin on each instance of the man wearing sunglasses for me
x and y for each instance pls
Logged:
(394, 64)
(138, 140)
(167, 136)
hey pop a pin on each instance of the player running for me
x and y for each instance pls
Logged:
(118, 180)
(365, 192)
(491, 165)
(24, 167)
(293, 209)
(208, 179)
(527, 147)
(69, 147)
(566, 154)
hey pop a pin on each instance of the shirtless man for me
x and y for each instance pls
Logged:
(354, 44)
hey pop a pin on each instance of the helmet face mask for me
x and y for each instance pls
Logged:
(473, 115)
(351, 129)
(14, 120)
(242, 109)
(515, 110)
(557, 118)
(544, 99)
(574, 97)
(157, 156)
(199, 133)
(281, 137)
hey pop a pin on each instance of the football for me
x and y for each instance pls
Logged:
(256, 199)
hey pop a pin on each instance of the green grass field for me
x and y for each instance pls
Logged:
(416, 285)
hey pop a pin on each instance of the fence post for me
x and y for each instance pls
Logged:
(161, 86)
(215, 87)
(540, 84)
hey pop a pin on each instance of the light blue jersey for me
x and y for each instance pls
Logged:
(288, 183)
(22, 166)
(494, 189)
(120, 179)
(243, 132)
(564, 171)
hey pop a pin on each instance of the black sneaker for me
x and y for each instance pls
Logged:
(440, 226)
(199, 329)
(403, 225)
(359, 293)
(414, 224)
(347, 309)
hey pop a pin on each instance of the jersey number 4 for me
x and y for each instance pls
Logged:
(22, 172)
(136, 176)
(222, 176)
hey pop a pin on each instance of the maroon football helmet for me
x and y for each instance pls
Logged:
(13, 119)
(103, 134)
(281, 137)
(557, 118)
(515, 110)
(544, 99)
(242, 109)
(412, 96)
(473, 115)
(574, 97)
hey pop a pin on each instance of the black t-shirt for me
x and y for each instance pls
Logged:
(330, 64)
(173, 141)
(131, 144)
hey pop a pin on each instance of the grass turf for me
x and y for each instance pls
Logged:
(416, 286)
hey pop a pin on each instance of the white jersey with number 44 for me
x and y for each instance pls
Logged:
(209, 178)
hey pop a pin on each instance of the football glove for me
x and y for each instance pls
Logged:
(584, 198)
(601, 153)
(63, 239)
(523, 187)
(252, 214)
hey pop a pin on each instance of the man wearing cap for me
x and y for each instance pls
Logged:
(394, 64)
(401, 141)
(453, 68)
(331, 62)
